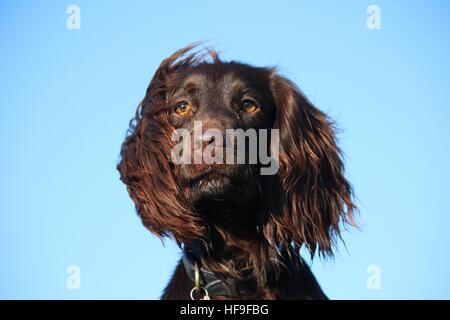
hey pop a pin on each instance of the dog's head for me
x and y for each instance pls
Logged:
(182, 151)
(218, 111)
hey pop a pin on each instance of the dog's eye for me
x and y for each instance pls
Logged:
(249, 106)
(183, 108)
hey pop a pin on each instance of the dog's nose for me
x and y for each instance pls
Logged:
(208, 138)
(208, 143)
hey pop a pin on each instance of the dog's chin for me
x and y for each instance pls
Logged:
(218, 185)
(210, 187)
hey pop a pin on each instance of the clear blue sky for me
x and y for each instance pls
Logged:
(66, 97)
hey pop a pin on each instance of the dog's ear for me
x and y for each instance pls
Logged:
(144, 166)
(314, 195)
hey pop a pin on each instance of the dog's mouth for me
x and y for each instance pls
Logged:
(209, 180)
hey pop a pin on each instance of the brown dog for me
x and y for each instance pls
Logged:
(240, 231)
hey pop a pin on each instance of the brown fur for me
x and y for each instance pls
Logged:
(305, 204)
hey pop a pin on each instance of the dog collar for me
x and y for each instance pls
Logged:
(212, 285)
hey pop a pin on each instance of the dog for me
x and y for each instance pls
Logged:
(240, 231)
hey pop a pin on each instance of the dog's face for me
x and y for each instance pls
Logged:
(220, 97)
(304, 200)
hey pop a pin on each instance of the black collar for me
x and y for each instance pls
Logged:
(231, 288)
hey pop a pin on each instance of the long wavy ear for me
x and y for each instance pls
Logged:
(144, 166)
(314, 195)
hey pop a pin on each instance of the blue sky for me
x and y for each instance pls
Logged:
(66, 97)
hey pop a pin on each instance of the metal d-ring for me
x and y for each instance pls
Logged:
(205, 296)
(196, 276)
(198, 287)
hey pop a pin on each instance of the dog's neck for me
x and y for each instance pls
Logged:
(238, 219)
(235, 240)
